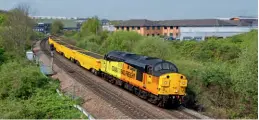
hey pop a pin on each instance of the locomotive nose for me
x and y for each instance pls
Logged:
(172, 84)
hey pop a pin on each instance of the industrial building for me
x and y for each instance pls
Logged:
(42, 27)
(198, 29)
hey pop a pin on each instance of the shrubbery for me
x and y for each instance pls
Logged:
(222, 73)
(26, 93)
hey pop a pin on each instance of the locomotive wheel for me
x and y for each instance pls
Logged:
(153, 99)
(164, 102)
(78, 63)
(143, 94)
(106, 77)
(175, 103)
(111, 80)
(72, 60)
(94, 72)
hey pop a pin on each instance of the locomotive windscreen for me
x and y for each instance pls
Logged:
(164, 67)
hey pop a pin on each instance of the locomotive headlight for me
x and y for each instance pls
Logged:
(183, 83)
(176, 91)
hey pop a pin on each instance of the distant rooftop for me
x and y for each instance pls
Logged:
(67, 23)
(58, 17)
(184, 23)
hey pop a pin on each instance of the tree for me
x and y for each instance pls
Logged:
(57, 27)
(91, 26)
(18, 31)
(2, 18)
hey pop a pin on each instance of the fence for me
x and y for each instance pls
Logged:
(90, 117)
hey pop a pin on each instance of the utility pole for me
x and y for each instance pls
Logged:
(51, 61)
(52, 55)
(73, 94)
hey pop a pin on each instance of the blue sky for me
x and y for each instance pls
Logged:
(136, 9)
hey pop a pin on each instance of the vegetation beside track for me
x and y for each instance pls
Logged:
(24, 91)
(222, 73)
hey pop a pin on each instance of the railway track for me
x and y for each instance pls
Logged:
(124, 105)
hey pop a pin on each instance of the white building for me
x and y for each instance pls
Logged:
(200, 29)
(108, 27)
(199, 33)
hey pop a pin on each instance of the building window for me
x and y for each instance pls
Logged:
(165, 27)
(153, 28)
(158, 28)
(153, 34)
(197, 38)
(147, 28)
(171, 34)
(187, 38)
(165, 34)
(133, 28)
(138, 28)
(171, 27)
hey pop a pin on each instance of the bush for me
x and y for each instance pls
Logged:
(26, 93)
(69, 33)
(2, 57)
(245, 78)
(121, 40)
(152, 46)
(91, 43)
(20, 81)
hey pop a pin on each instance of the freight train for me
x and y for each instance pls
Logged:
(152, 79)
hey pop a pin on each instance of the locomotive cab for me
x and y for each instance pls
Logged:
(170, 81)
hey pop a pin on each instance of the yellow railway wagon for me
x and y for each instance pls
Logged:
(84, 58)
(57, 44)
(88, 60)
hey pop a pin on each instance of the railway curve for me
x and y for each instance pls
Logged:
(122, 104)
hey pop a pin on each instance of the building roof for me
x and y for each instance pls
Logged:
(138, 22)
(237, 23)
(184, 23)
(195, 22)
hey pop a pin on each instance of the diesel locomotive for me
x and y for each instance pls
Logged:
(153, 79)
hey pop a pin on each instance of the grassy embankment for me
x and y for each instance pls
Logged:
(24, 91)
(222, 73)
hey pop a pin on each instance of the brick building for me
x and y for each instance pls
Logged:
(180, 29)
